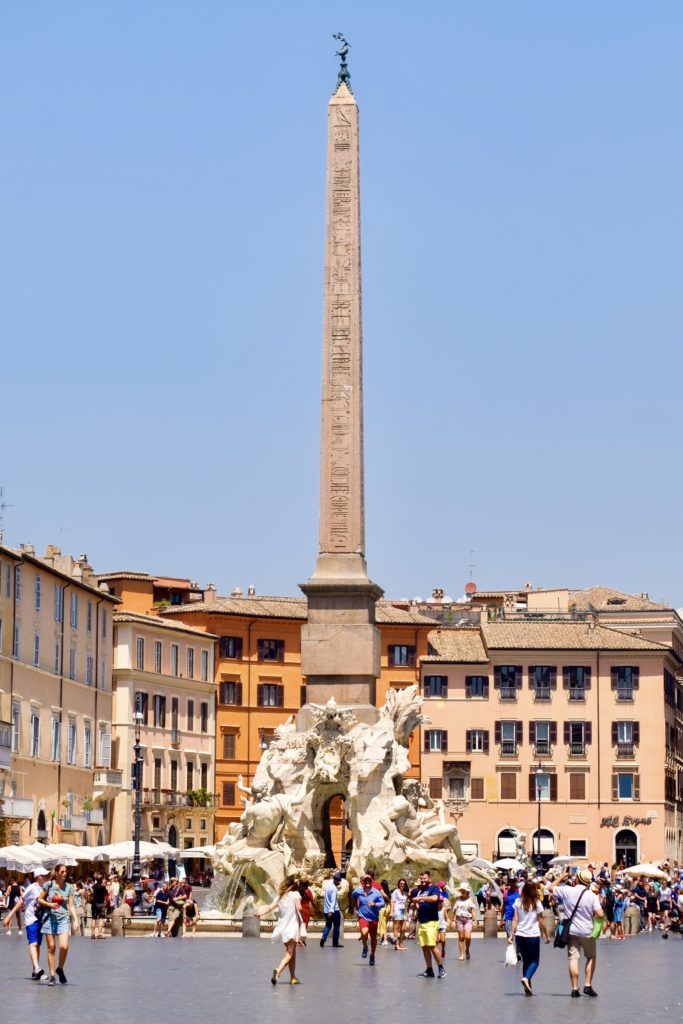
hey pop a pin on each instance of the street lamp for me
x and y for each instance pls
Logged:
(137, 880)
(539, 790)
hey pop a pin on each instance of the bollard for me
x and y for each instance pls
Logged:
(251, 925)
(117, 922)
(632, 921)
(491, 924)
(550, 922)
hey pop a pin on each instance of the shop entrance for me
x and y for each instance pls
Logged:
(626, 848)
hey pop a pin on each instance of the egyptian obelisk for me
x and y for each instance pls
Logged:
(340, 644)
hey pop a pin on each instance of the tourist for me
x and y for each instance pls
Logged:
(639, 899)
(384, 914)
(525, 932)
(331, 910)
(100, 897)
(288, 928)
(307, 904)
(59, 899)
(619, 901)
(464, 915)
(368, 902)
(80, 904)
(582, 906)
(425, 899)
(191, 917)
(13, 898)
(175, 915)
(399, 899)
(606, 895)
(509, 900)
(665, 895)
(444, 915)
(27, 903)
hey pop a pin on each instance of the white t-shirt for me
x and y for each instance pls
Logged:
(582, 924)
(399, 899)
(527, 920)
(665, 894)
(31, 894)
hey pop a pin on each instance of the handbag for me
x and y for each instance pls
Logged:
(562, 930)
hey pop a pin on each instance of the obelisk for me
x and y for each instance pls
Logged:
(340, 644)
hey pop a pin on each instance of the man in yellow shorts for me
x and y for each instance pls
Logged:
(426, 899)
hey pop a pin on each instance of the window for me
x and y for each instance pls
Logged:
(103, 677)
(229, 740)
(17, 643)
(456, 787)
(625, 737)
(105, 748)
(174, 659)
(189, 776)
(71, 742)
(435, 740)
(175, 709)
(508, 785)
(159, 706)
(174, 776)
(204, 670)
(36, 593)
(72, 663)
(625, 786)
(190, 715)
(228, 794)
(8, 577)
(476, 789)
(17, 583)
(157, 656)
(577, 785)
(625, 679)
(230, 693)
(401, 655)
(542, 735)
(16, 726)
(542, 786)
(140, 653)
(89, 669)
(507, 679)
(542, 680)
(88, 617)
(204, 770)
(87, 746)
(477, 741)
(230, 647)
(436, 686)
(36, 650)
(271, 650)
(104, 623)
(270, 695)
(576, 679)
(436, 789)
(578, 848)
(577, 735)
(202, 824)
(56, 739)
(203, 717)
(58, 657)
(157, 773)
(142, 705)
(508, 735)
(59, 602)
(190, 662)
(476, 686)
(74, 611)
(35, 733)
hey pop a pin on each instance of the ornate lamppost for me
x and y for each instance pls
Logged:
(539, 790)
(137, 880)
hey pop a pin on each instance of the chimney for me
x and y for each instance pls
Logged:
(210, 593)
(437, 594)
(52, 552)
(251, 592)
(236, 592)
(27, 549)
(645, 596)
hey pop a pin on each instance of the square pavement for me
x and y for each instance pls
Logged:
(215, 979)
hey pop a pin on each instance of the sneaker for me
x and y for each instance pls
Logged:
(372, 959)
(588, 990)
(526, 985)
(575, 993)
(429, 973)
(52, 980)
(295, 981)
(61, 975)
(39, 973)
(337, 945)
(322, 943)
(273, 977)
(365, 952)
(8, 932)
(19, 932)
(442, 971)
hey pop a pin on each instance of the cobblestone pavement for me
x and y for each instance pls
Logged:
(215, 979)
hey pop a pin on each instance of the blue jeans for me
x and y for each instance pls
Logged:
(332, 924)
(530, 952)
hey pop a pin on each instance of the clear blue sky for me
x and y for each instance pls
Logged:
(162, 222)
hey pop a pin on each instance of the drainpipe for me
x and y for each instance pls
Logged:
(253, 621)
(597, 688)
(61, 698)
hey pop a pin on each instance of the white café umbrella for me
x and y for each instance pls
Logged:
(197, 851)
(509, 864)
(649, 870)
(559, 862)
(16, 858)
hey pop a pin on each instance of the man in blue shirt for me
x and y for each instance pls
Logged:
(369, 901)
(427, 897)
(331, 910)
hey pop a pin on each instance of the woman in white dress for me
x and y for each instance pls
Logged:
(288, 927)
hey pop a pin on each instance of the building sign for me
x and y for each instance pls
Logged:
(626, 822)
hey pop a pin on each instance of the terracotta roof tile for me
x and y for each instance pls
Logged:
(154, 621)
(562, 636)
(291, 608)
(606, 599)
(456, 645)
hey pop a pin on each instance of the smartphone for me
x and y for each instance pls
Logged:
(573, 871)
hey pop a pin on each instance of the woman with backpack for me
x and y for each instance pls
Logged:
(58, 898)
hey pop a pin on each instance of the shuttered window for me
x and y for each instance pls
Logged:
(271, 650)
(270, 695)
(577, 785)
(230, 693)
(508, 785)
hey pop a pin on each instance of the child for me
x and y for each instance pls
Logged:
(620, 903)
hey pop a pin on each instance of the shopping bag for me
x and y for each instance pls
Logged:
(511, 955)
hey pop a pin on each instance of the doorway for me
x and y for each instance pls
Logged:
(626, 847)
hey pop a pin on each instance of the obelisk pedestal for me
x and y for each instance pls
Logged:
(340, 643)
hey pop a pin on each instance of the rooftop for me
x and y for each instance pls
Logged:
(606, 599)
(155, 622)
(291, 608)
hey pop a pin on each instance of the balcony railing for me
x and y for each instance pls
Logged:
(542, 748)
(74, 823)
(16, 807)
(624, 693)
(95, 816)
(5, 745)
(175, 736)
(508, 693)
(108, 778)
(577, 692)
(542, 693)
(577, 749)
(171, 798)
(508, 748)
(626, 749)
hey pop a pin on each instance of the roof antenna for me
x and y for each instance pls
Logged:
(3, 506)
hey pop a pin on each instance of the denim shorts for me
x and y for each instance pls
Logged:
(56, 926)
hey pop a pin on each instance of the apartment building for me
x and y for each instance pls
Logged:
(565, 730)
(165, 671)
(55, 694)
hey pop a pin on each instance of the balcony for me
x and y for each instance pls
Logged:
(107, 783)
(542, 693)
(170, 798)
(542, 748)
(625, 694)
(95, 816)
(5, 746)
(508, 748)
(73, 823)
(576, 749)
(16, 807)
(577, 693)
(508, 693)
(626, 749)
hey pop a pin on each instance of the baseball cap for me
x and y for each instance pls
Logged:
(41, 873)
